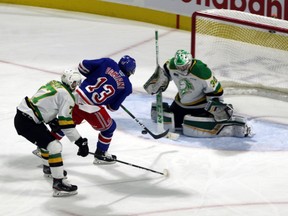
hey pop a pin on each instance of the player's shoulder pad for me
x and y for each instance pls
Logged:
(109, 60)
(128, 86)
(95, 62)
(199, 69)
(55, 83)
(59, 86)
(64, 91)
(171, 64)
(110, 63)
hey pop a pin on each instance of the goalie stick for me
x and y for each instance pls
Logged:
(155, 136)
(159, 104)
(165, 171)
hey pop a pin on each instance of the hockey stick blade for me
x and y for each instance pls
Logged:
(155, 136)
(158, 136)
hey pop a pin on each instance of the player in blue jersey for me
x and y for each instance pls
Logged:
(106, 85)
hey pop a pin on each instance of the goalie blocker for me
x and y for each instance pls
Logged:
(223, 125)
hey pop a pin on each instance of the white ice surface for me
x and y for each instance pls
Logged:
(208, 177)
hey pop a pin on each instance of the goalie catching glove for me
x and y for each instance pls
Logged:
(158, 82)
(220, 111)
(83, 150)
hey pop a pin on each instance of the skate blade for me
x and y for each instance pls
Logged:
(50, 176)
(57, 193)
(101, 162)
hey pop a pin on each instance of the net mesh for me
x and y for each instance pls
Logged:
(248, 53)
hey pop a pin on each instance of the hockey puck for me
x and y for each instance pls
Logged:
(144, 132)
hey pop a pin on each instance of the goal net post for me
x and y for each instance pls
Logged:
(248, 53)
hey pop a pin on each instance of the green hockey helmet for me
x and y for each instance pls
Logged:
(182, 60)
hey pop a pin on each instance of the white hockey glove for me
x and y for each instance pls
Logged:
(220, 111)
(158, 82)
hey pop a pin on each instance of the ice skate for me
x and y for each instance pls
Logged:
(47, 172)
(62, 188)
(103, 158)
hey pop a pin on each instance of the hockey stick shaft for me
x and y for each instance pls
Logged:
(155, 136)
(159, 100)
(157, 47)
(134, 165)
(159, 105)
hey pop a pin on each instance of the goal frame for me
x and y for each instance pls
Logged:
(250, 21)
(227, 19)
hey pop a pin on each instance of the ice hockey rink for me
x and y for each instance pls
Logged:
(208, 176)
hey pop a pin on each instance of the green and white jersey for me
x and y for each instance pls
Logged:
(196, 86)
(53, 100)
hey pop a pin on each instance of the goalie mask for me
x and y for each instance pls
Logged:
(182, 61)
(127, 65)
(71, 78)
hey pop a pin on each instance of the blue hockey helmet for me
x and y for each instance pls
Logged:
(127, 65)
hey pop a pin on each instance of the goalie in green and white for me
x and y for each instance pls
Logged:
(198, 108)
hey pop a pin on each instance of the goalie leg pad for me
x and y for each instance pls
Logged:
(169, 122)
(208, 127)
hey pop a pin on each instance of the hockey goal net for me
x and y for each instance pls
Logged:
(248, 53)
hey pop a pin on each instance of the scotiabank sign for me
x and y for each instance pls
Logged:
(270, 8)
